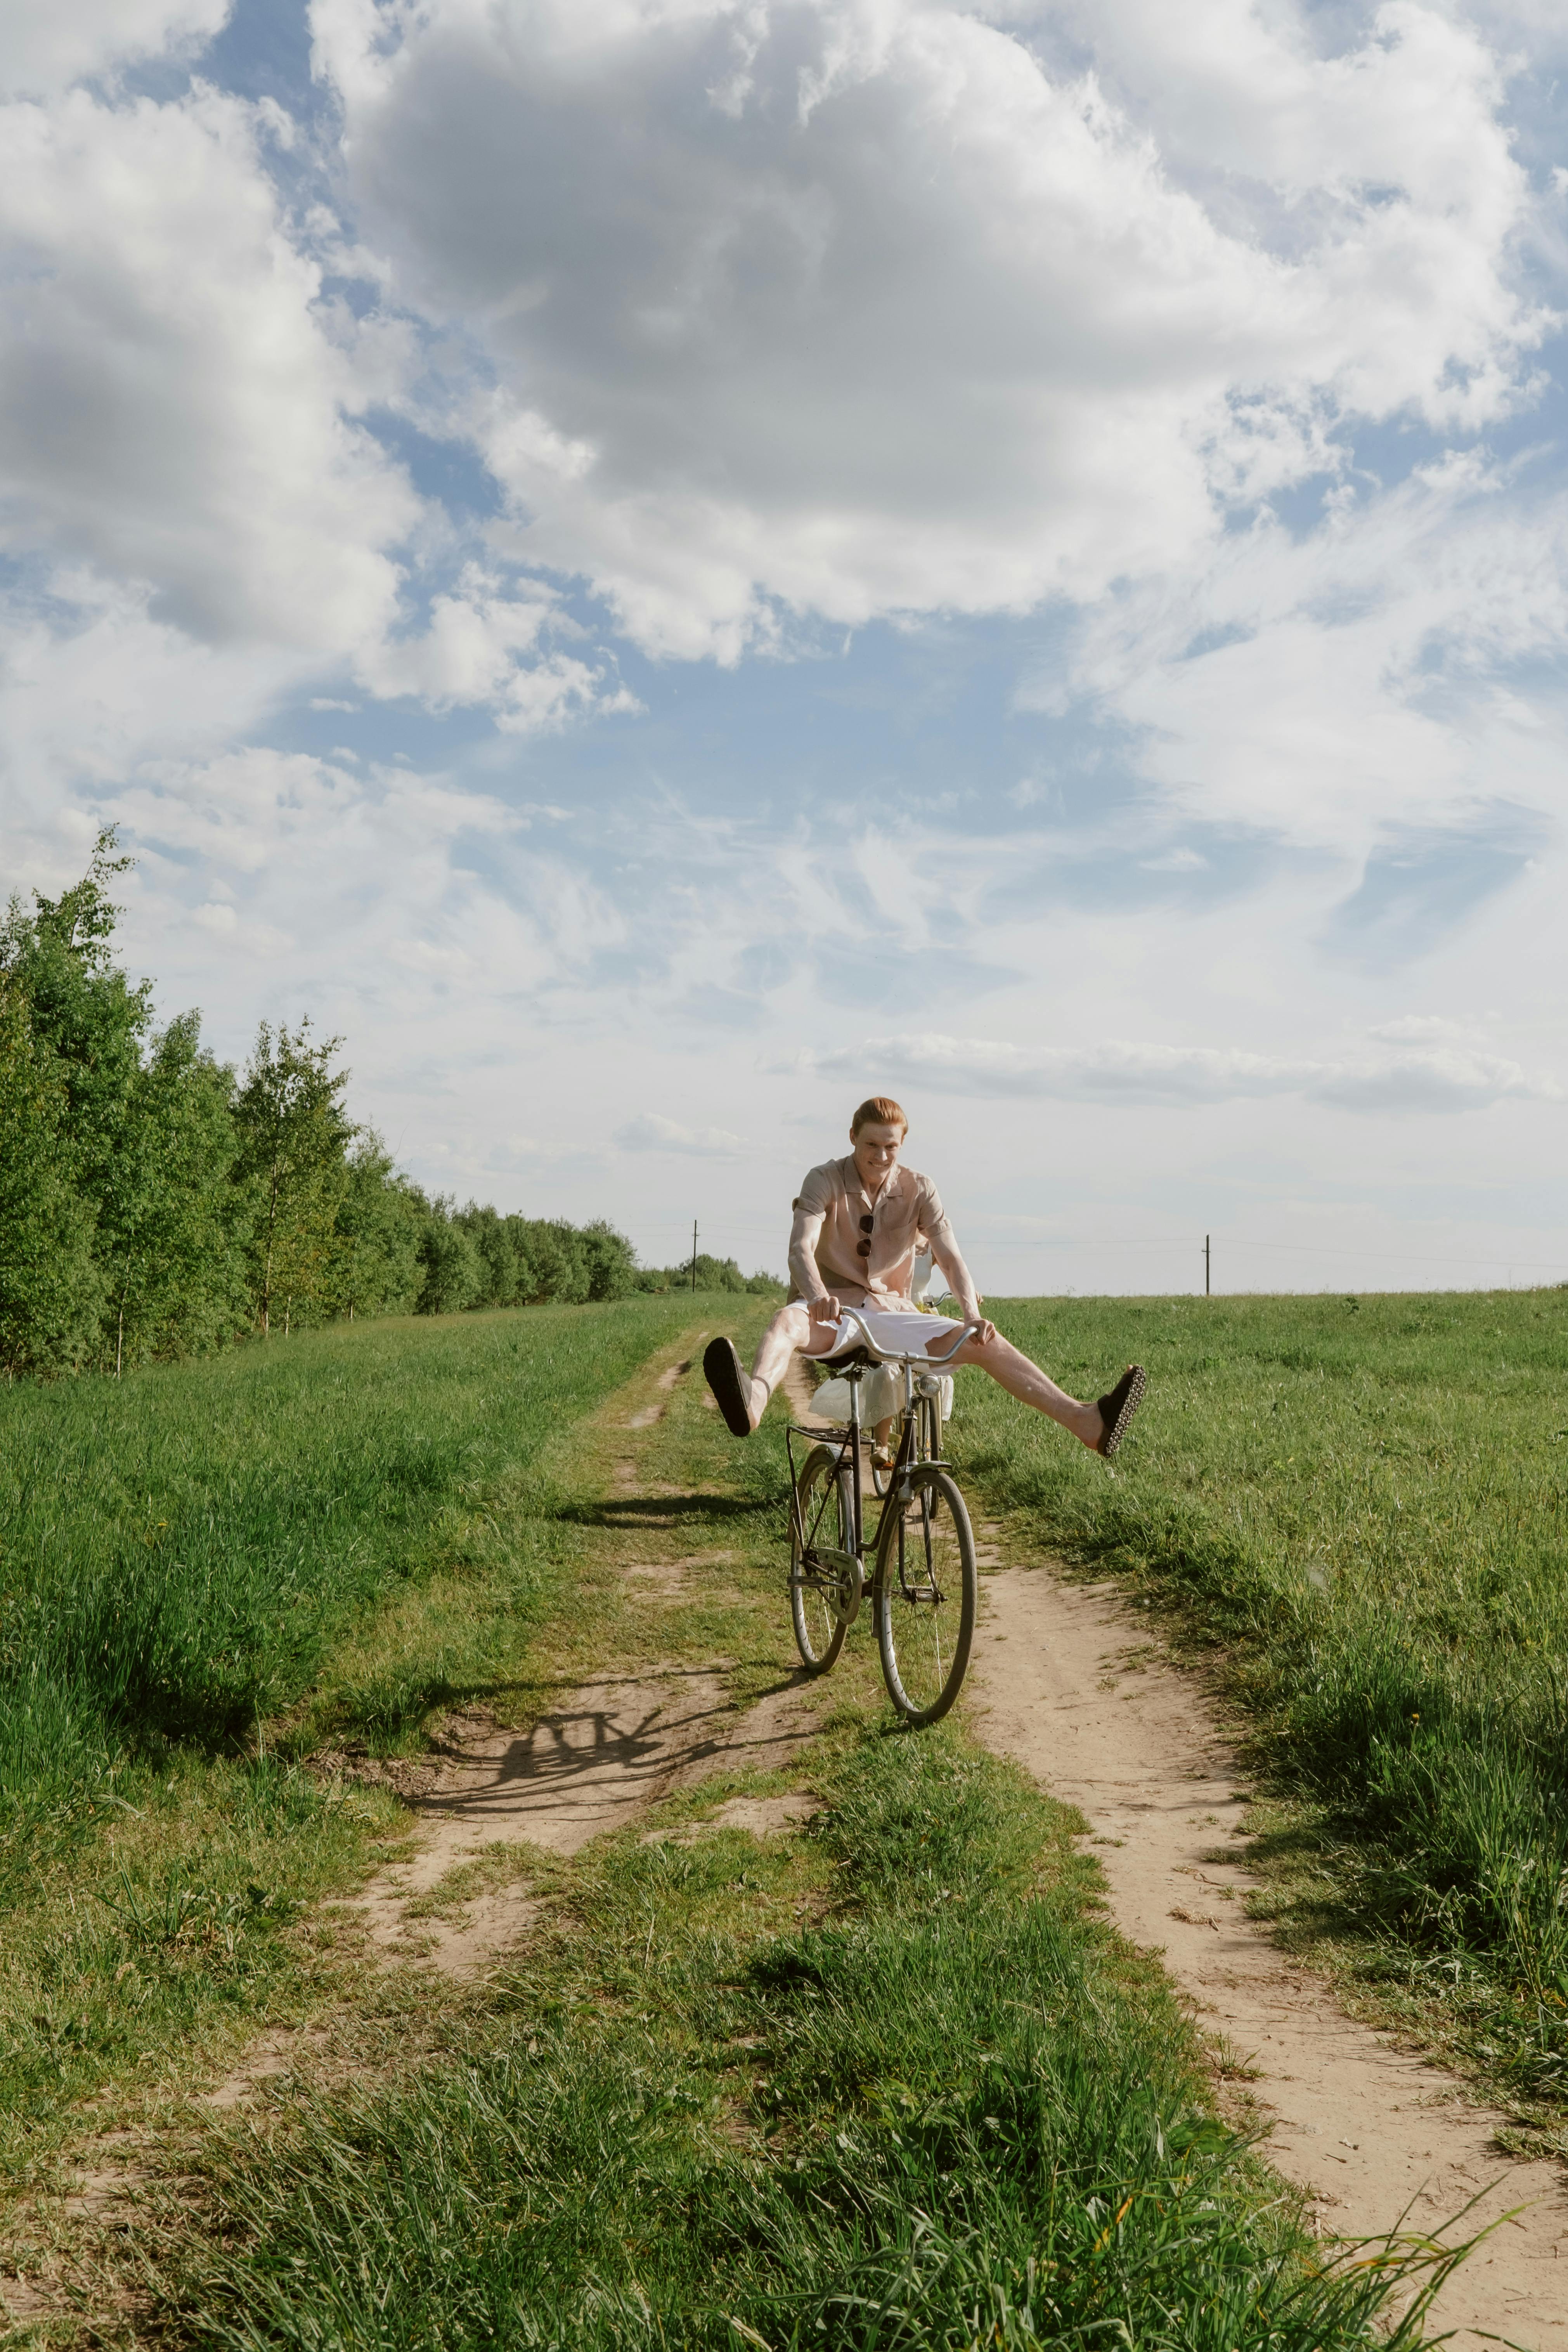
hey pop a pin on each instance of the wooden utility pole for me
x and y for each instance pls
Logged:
(694, 1256)
(1206, 1265)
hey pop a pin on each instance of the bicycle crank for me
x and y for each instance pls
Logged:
(840, 1581)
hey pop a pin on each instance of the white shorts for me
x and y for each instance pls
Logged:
(901, 1330)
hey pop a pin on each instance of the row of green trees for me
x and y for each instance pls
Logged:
(154, 1203)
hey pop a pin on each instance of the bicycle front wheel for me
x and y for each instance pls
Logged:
(821, 1542)
(926, 1591)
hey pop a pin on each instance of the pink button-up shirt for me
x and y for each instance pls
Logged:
(836, 1215)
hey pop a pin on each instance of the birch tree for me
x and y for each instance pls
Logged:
(294, 1137)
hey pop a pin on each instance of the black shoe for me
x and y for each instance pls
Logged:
(1116, 1409)
(721, 1369)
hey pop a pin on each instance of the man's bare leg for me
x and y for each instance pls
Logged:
(785, 1336)
(1014, 1371)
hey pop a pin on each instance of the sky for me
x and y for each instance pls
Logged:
(660, 566)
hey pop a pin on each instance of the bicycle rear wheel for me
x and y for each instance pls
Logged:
(883, 1473)
(928, 1441)
(927, 1589)
(821, 1565)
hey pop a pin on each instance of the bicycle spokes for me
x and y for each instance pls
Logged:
(926, 1594)
(823, 1573)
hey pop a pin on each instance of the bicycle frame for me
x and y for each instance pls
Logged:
(897, 1483)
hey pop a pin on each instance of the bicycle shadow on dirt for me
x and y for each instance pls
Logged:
(598, 1758)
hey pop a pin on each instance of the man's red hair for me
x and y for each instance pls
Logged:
(879, 1111)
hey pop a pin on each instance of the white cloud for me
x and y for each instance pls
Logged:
(650, 1132)
(485, 645)
(859, 305)
(90, 687)
(785, 308)
(45, 44)
(1438, 1077)
(1329, 687)
(172, 409)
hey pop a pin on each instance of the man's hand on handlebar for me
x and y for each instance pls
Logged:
(824, 1313)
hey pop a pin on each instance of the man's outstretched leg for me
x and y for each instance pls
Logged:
(742, 1397)
(1100, 1426)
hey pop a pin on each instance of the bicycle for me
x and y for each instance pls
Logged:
(924, 1584)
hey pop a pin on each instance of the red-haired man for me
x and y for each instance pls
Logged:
(858, 1223)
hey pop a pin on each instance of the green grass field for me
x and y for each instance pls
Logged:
(205, 1571)
(886, 2079)
(185, 1550)
(1361, 1506)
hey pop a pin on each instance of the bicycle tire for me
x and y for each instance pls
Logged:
(927, 1592)
(820, 1624)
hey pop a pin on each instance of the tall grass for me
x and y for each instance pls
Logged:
(938, 2118)
(1365, 1502)
(364, 1516)
(179, 1551)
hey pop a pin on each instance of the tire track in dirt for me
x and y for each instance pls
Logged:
(1065, 1682)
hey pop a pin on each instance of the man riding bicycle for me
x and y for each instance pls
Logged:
(858, 1223)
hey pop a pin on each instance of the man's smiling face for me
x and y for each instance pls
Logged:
(877, 1154)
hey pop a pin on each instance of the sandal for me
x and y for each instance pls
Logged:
(721, 1370)
(1116, 1409)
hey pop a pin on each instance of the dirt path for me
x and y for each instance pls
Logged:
(800, 1389)
(1065, 1681)
(612, 1751)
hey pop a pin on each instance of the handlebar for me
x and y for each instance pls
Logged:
(894, 1355)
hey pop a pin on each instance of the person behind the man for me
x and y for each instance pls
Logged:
(858, 1223)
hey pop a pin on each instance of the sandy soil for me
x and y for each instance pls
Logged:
(1065, 1680)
